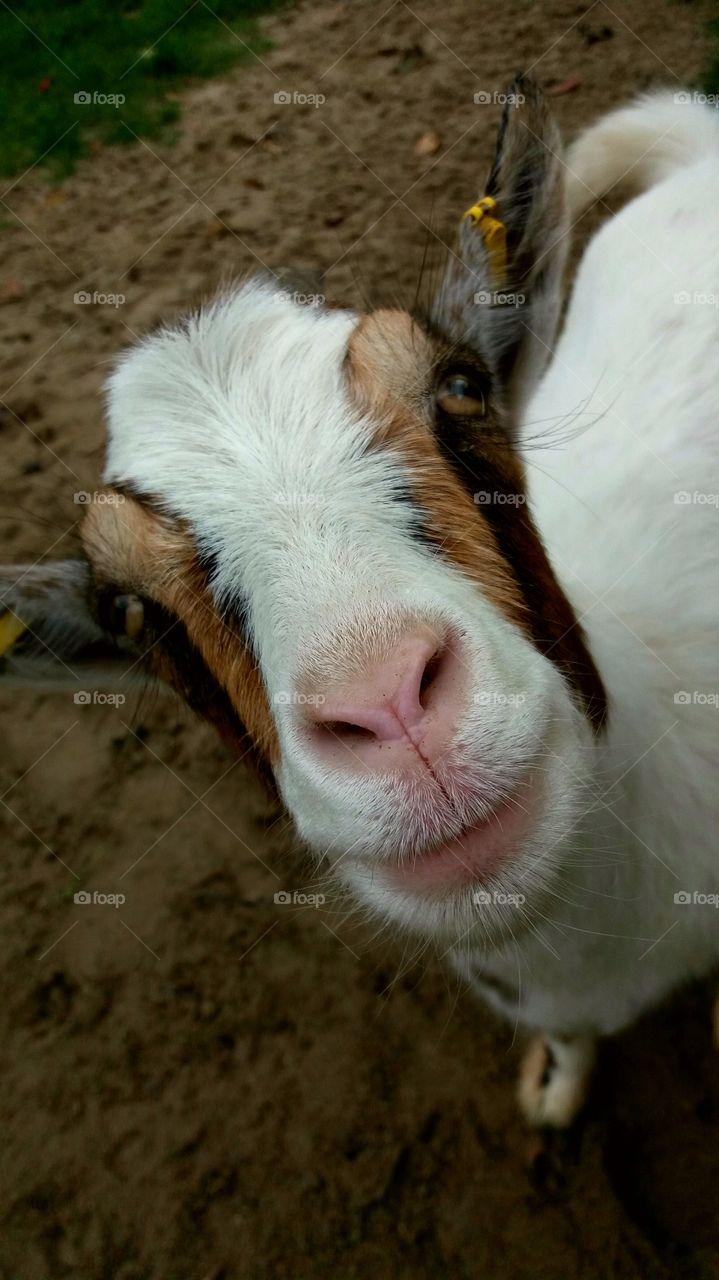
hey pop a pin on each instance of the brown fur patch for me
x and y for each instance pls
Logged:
(132, 547)
(389, 370)
(389, 366)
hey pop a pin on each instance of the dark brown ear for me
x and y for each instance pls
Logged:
(51, 634)
(501, 293)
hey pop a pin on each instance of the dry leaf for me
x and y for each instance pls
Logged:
(428, 144)
(564, 86)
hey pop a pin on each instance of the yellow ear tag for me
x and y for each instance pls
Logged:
(494, 234)
(11, 628)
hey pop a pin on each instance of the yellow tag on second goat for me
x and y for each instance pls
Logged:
(11, 628)
(493, 232)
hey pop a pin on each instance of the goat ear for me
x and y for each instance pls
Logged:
(501, 294)
(50, 632)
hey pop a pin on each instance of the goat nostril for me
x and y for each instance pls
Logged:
(429, 676)
(346, 732)
(391, 703)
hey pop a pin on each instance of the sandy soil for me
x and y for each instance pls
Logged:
(203, 1085)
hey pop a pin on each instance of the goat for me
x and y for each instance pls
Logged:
(482, 683)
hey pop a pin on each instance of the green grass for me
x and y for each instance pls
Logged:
(144, 50)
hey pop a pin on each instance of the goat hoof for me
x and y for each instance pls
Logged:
(554, 1080)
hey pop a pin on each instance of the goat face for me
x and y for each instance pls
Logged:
(324, 516)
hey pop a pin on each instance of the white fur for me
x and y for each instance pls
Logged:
(240, 422)
(639, 145)
(632, 391)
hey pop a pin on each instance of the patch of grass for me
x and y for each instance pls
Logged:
(68, 893)
(144, 50)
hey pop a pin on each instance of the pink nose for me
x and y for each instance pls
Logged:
(402, 710)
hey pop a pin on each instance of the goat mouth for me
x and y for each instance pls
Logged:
(476, 852)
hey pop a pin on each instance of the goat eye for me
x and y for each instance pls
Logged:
(459, 394)
(127, 616)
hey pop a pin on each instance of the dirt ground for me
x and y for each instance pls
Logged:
(201, 1084)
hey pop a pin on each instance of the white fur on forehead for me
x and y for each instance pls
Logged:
(240, 420)
(217, 378)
